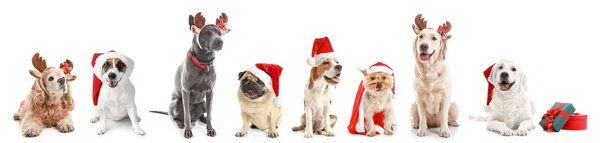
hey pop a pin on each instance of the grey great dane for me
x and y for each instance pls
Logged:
(195, 77)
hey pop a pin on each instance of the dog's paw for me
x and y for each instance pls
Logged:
(506, 132)
(444, 132)
(240, 134)
(94, 119)
(140, 132)
(521, 132)
(180, 125)
(211, 133)
(388, 132)
(31, 132)
(273, 134)
(328, 133)
(101, 131)
(371, 134)
(308, 134)
(187, 133)
(66, 128)
(453, 123)
(415, 126)
(421, 132)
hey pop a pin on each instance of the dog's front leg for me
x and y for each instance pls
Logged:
(102, 122)
(422, 131)
(133, 116)
(524, 127)
(187, 127)
(308, 130)
(209, 128)
(370, 124)
(273, 125)
(389, 119)
(244, 130)
(444, 130)
(500, 127)
(327, 125)
(65, 125)
(31, 127)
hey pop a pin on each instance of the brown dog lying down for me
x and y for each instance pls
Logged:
(49, 102)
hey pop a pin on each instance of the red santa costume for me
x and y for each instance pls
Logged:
(97, 61)
(357, 120)
(490, 90)
(269, 74)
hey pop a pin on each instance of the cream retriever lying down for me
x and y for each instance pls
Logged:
(511, 111)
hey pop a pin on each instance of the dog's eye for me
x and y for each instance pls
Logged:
(383, 78)
(513, 69)
(120, 64)
(326, 63)
(420, 36)
(372, 78)
(433, 38)
(50, 78)
(500, 67)
(105, 65)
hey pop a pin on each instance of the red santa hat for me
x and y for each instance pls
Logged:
(269, 74)
(490, 90)
(357, 120)
(321, 51)
(97, 61)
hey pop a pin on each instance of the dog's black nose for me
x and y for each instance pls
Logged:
(378, 85)
(424, 47)
(112, 75)
(338, 67)
(504, 75)
(61, 80)
(218, 42)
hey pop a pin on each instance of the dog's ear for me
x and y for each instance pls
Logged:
(443, 50)
(492, 77)
(196, 22)
(39, 95)
(71, 77)
(523, 83)
(35, 74)
(222, 23)
(314, 75)
(447, 37)
(420, 24)
(363, 71)
(241, 74)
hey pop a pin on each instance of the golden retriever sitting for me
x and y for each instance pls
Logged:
(49, 102)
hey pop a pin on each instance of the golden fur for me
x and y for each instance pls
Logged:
(261, 112)
(41, 109)
(380, 99)
(432, 84)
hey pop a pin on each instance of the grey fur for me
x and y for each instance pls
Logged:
(193, 94)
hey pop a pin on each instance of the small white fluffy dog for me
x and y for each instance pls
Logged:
(324, 76)
(432, 84)
(116, 100)
(511, 112)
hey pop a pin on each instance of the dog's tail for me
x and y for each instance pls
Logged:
(160, 112)
(479, 117)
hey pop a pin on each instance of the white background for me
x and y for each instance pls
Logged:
(555, 43)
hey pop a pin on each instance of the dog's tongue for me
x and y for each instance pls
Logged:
(504, 86)
(335, 79)
(374, 86)
(112, 83)
(424, 57)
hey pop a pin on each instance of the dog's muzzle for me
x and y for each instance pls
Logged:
(504, 82)
(252, 90)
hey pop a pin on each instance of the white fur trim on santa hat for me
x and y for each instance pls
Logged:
(102, 58)
(262, 75)
(319, 59)
(375, 69)
(277, 101)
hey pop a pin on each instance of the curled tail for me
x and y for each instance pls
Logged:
(482, 117)
(160, 112)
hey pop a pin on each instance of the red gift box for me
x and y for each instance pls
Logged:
(577, 121)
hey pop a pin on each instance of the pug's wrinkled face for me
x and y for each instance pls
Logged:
(251, 86)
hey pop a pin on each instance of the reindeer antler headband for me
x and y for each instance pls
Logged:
(421, 23)
(200, 22)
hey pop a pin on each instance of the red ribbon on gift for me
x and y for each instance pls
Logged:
(550, 114)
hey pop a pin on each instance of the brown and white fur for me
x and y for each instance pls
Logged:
(49, 102)
(317, 99)
(432, 84)
(378, 97)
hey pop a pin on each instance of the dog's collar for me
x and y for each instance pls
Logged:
(200, 65)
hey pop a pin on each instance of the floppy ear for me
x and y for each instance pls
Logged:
(35, 73)
(241, 74)
(416, 29)
(313, 76)
(39, 95)
(443, 50)
(447, 37)
(523, 82)
(364, 72)
(100, 60)
(71, 77)
(130, 65)
(492, 77)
